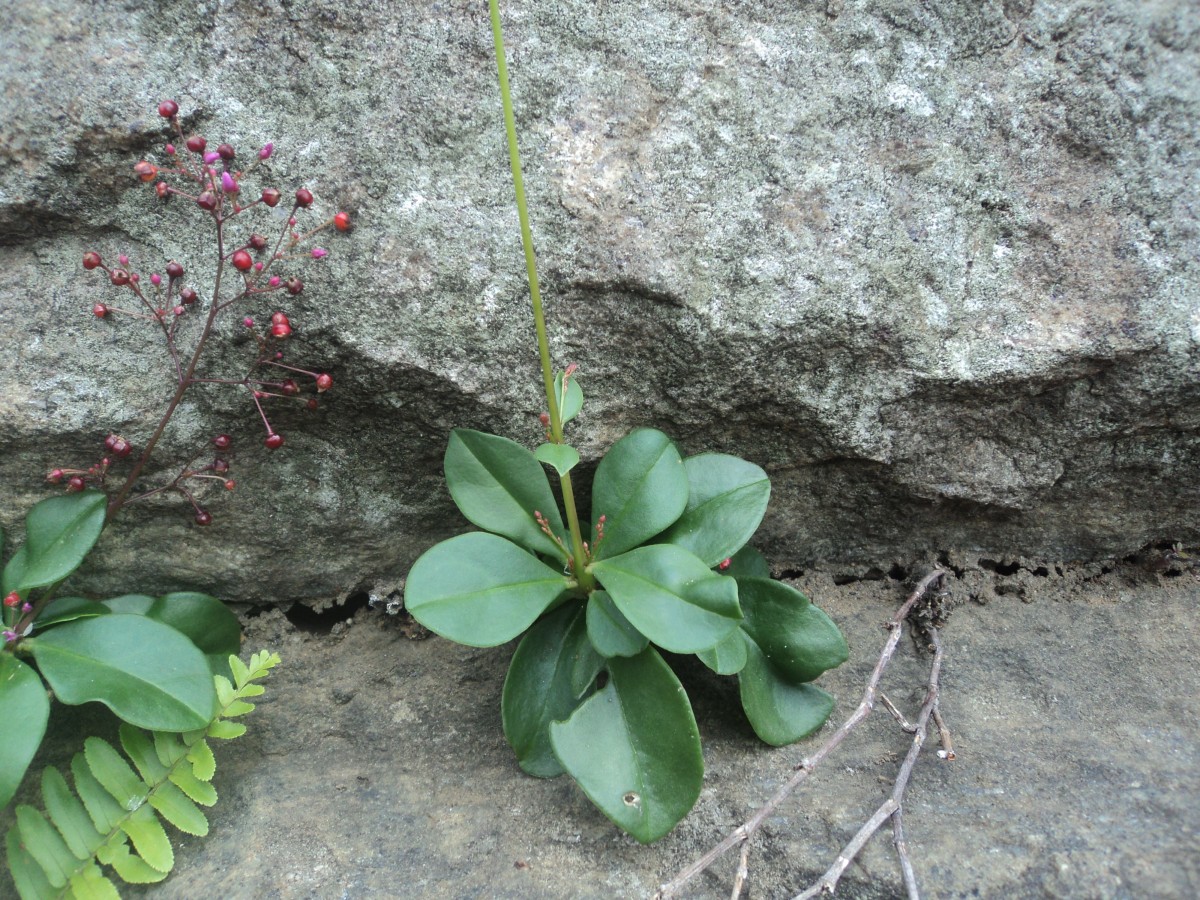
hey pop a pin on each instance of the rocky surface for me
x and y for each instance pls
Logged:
(375, 765)
(935, 269)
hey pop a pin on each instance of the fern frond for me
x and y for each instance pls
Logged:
(112, 818)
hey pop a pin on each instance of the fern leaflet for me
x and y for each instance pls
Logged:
(112, 818)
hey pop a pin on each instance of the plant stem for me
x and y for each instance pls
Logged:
(578, 554)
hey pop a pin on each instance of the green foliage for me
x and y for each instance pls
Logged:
(667, 566)
(150, 660)
(113, 816)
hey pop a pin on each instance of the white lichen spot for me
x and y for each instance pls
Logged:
(909, 99)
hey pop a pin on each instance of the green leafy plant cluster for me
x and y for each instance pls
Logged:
(665, 566)
(151, 660)
(112, 816)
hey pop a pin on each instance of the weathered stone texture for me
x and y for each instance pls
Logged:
(933, 265)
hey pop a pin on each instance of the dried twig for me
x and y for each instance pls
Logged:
(743, 833)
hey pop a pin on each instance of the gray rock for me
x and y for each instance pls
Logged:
(934, 267)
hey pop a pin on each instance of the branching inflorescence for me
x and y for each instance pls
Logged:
(248, 267)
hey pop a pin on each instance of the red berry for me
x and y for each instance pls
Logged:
(168, 108)
(230, 484)
(304, 197)
(92, 260)
(258, 242)
(226, 151)
(207, 201)
(203, 517)
(119, 277)
(242, 260)
(75, 485)
(13, 599)
(120, 447)
(174, 269)
(341, 221)
(281, 330)
(99, 310)
(273, 441)
(279, 317)
(270, 196)
(196, 143)
(324, 383)
(145, 171)
(56, 476)
(188, 295)
(725, 564)
(222, 441)
(294, 286)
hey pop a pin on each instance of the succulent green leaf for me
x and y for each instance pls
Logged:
(111, 770)
(206, 621)
(59, 533)
(146, 672)
(14, 572)
(68, 815)
(28, 877)
(798, 639)
(671, 597)
(200, 791)
(609, 631)
(67, 609)
(24, 711)
(747, 563)
(499, 486)
(480, 589)
(728, 657)
(727, 498)
(561, 458)
(538, 689)
(640, 489)
(633, 747)
(174, 806)
(149, 839)
(45, 845)
(780, 712)
(570, 401)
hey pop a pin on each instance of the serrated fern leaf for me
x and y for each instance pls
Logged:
(112, 817)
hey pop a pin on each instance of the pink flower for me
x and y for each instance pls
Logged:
(318, 252)
(266, 151)
(228, 185)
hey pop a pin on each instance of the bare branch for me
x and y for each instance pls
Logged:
(744, 832)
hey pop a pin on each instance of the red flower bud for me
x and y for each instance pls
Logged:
(92, 260)
(270, 196)
(341, 221)
(12, 600)
(324, 383)
(273, 441)
(174, 269)
(168, 108)
(304, 197)
(145, 171)
(242, 260)
(196, 143)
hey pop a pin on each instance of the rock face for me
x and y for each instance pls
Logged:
(933, 266)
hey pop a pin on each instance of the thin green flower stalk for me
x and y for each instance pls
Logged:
(579, 556)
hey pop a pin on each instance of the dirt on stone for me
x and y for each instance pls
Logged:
(375, 765)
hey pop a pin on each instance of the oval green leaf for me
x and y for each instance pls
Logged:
(561, 458)
(499, 485)
(24, 710)
(800, 641)
(671, 597)
(747, 563)
(728, 657)
(67, 609)
(59, 533)
(727, 498)
(538, 689)
(779, 711)
(609, 631)
(640, 489)
(146, 672)
(209, 623)
(570, 402)
(633, 747)
(480, 589)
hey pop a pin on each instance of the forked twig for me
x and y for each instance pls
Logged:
(743, 833)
